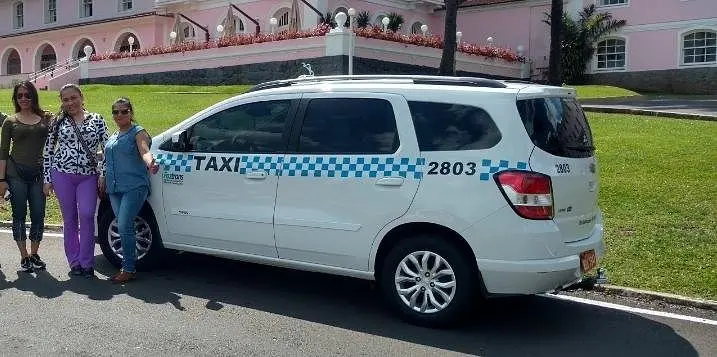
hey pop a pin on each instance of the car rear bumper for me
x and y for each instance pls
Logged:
(537, 276)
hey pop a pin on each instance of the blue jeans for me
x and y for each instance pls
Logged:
(23, 193)
(126, 206)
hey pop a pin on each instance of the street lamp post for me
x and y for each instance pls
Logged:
(385, 22)
(424, 29)
(459, 34)
(172, 36)
(131, 43)
(273, 21)
(220, 30)
(352, 16)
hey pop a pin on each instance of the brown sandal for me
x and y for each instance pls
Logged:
(123, 277)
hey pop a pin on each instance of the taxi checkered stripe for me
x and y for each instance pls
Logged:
(175, 162)
(489, 167)
(334, 166)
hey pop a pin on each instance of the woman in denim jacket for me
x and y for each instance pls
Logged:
(125, 179)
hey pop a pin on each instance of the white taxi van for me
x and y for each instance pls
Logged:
(443, 190)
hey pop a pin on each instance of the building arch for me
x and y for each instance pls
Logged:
(78, 48)
(45, 56)
(11, 61)
(121, 43)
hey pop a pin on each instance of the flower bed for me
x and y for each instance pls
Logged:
(238, 40)
(374, 32)
(435, 41)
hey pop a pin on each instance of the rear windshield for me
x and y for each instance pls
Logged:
(558, 126)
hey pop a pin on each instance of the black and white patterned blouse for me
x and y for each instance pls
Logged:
(64, 152)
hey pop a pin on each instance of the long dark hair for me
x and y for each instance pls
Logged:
(34, 100)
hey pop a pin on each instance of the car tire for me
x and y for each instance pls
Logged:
(150, 249)
(449, 304)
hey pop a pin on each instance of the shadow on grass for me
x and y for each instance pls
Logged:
(532, 326)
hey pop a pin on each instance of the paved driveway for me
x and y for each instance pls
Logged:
(692, 105)
(202, 306)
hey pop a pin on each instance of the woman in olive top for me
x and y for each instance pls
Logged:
(21, 170)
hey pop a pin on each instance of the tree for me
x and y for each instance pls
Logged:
(556, 27)
(579, 38)
(448, 58)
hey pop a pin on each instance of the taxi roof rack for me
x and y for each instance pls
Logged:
(416, 79)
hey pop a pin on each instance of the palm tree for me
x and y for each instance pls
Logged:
(579, 38)
(448, 58)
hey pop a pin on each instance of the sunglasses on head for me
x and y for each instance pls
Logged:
(123, 111)
(23, 95)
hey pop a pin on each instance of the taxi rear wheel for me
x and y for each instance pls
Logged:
(428, 282)
(148, 242)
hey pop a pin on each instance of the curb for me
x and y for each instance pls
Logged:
(655, 296)
(647, 112)
(54, 228)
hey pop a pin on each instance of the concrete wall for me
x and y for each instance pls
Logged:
(255, 73)
(683, 81)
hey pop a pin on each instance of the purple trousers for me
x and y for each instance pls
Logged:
(77, 195)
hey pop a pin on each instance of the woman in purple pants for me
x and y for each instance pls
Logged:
(71, 169)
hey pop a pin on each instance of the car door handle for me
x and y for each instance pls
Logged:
(256, 175)
(390, 181)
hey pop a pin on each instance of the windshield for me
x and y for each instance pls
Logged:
(557, 126)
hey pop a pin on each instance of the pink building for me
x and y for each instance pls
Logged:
(668, 45)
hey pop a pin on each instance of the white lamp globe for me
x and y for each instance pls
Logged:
(424, 28)
(173, 35)
(340, 19)
(385, 20)
(352, 12)
(88, 50)
(273, 21)
(220, 28)
(131, 40)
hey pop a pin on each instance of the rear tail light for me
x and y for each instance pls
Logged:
(530, 194)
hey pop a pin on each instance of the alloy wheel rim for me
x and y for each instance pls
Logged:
(425, 282)
(142, 234)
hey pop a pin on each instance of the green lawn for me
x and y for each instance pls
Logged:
(657, 175)
(597, 91)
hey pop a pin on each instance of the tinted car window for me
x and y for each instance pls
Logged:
(248, 128)
(445, 127)
(349, 126)
(558, 126)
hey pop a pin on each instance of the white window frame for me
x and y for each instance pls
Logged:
(50, 12)
(18, 20)
(601, 3)
(610, 69)
(681, 48)
(82, 8)
(125, 5)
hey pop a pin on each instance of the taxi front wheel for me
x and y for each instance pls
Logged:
(428, 282)
(148, 242)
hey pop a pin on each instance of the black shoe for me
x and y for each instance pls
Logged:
(37, 263)
(88, 273)
(76, 271)
(26, 265)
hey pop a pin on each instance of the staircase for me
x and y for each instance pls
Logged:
(57, 75)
